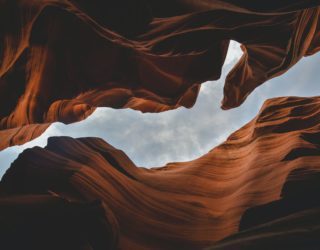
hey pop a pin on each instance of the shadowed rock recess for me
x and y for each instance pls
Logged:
(61, 59)
(257, 190)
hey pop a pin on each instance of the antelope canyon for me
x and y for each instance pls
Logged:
(257, 190)
(61, 59)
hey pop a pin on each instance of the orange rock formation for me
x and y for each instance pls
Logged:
(260, 175)
(60, 59)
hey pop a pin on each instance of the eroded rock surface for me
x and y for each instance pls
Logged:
(60, 59)
(274, 159)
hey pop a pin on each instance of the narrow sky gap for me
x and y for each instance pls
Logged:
(155, 139)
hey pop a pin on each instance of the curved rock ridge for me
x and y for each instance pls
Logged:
(187, 205)
(61, 59)
(289, 223)
(296, 231)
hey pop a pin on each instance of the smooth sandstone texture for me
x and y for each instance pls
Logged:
(264, 172)
(60, 59)
(289, 223)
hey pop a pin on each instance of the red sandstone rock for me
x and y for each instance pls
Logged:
(289, 223)
(191, 205)
(60, 59)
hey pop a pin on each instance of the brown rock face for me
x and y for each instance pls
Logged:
(42, 221)
(272, 164)
(289, 223)
(296, 231)
(60, 59)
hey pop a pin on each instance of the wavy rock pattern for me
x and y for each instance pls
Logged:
(289, 223)
(296, 231)
(189, 205)
(60, 59)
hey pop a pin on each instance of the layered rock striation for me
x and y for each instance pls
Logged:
(61, 59)
(262, 182)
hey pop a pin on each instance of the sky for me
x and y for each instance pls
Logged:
(152, 140)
